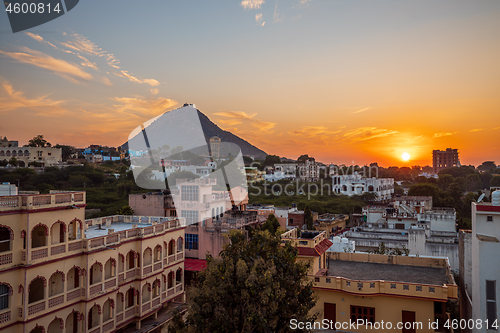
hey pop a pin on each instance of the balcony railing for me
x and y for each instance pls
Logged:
(95, 289)
(56, 300)
(58, 249)
(110, 283)
(5, 317)
(37, 201)
(36, 307)
(108, 326)
(74, 294)
(39, 253)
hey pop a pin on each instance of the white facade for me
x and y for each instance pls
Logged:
(356, 184)
(48, 156)
(342, 245)
(8, 189)
(486, 262)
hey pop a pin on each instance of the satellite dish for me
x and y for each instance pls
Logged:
(480, 198)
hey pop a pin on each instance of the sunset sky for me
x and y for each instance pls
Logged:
(345, 81)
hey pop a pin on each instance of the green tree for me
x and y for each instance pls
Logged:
(13, 161)
(495, 181)
(39, 141)
(125, 210)
(272, 224)
(308, 218)
(445, 180)
(304, 158)
(66, 151)
(255, 286)
(473, 182)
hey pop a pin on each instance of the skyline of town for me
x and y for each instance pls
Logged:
(342, 82)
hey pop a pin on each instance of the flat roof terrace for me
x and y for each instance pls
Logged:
(100, 231)
(369, 271)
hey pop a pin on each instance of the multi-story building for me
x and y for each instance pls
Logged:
(356, 184)
(215, 147)
(331, 223)
(442, 159)
(375, 288)
(61, 273)
(481, 267)
(409, 222)
(46, 156)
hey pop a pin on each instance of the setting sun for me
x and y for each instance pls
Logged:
(405, 156)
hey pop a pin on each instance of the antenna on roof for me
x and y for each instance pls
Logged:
(480, 198)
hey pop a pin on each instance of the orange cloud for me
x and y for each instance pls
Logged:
(151, 82)
(143, 107)
(16, 100)
(368, 133)
(60, 67)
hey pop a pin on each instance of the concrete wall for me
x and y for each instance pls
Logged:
(150, 205)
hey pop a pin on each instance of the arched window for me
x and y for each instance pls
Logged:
(36, 289)
(107, 310)
(119, 302)
(57, 232)
(56, 284)
(217, 214)
(20, 153)
(147, 257)
(39, 236)
(146, 293)
(94, 316)
(73, 230)
(73, 279)
(130, 259)
(56, 326)
(344, 188)
(157, 252)
(121, 263)
(370, 188)
(171, 247)
(95, 273)
(2, 153)
(170, 280)
(129, 298)
(156, 288)
(164, 284)
(179, 244)
(72, 322)
(26, 152)
(178, 276)
(5, 293)
(7, 153)
(110, 269)
(5, 238)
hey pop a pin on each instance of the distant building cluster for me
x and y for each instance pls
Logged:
(356, 184)
(44, 156)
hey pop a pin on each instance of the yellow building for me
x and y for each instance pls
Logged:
(376, 291)
(60, 273)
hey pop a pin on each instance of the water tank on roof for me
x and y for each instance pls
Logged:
(495, 198)
(336, 239)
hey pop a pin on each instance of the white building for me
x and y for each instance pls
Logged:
(356, 184)
(486, 262)
(47, 156)
(342, 244)
(8, 189)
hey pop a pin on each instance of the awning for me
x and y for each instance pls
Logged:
(194, 265)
